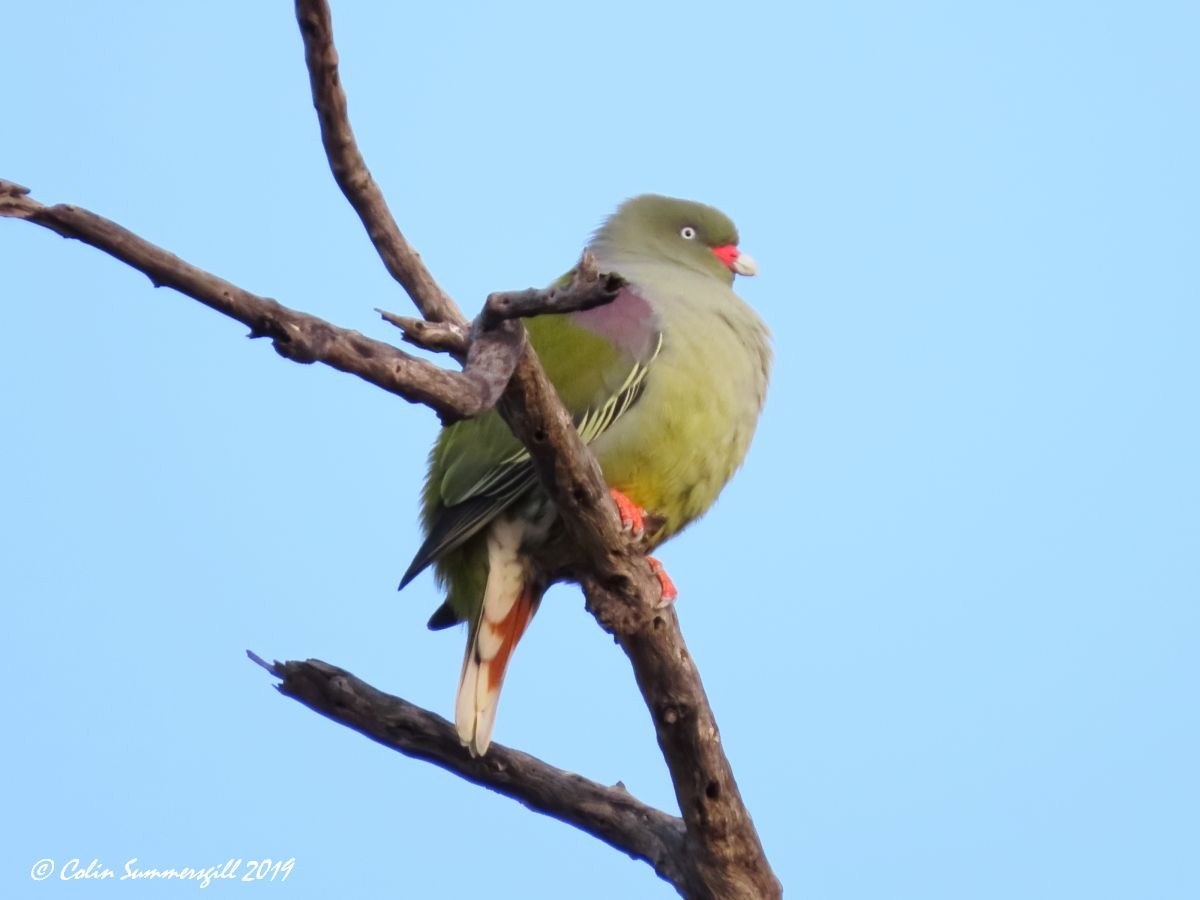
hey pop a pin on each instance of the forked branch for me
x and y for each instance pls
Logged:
(713, 851)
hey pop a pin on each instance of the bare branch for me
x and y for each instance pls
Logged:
(587, 289)
(440, 337)
(720, 856)
(725, 858)
(609, 813)
(296, 336)
(351, 172)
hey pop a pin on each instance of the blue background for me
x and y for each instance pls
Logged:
(947, 615)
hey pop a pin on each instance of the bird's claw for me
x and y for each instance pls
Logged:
(633, 522)
(633, 517)
(669, 591)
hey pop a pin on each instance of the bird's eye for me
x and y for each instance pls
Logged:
(688, 233)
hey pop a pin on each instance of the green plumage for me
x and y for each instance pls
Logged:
(586, 370)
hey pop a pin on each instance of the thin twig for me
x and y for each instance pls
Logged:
(440, 337)
(587, 289)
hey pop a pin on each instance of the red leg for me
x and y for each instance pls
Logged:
(633, 517)
(669, 591)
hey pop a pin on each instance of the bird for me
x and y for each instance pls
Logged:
(665, 385)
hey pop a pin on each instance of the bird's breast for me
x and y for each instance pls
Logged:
(678, 446)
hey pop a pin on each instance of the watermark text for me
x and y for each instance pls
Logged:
(240, 870)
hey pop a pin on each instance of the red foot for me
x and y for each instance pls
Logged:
(669, 591)
(633, 517)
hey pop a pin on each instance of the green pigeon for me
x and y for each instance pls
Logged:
(665, 385)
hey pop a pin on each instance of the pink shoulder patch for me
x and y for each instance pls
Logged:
(628, 322)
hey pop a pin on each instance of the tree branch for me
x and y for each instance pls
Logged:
(352, 175)
(491, 352)
(297, 336)
(719, 855)
(440, 337)
(588, 288)
(724, 857)
(609, 813)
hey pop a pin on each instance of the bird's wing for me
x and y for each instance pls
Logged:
(478, 468)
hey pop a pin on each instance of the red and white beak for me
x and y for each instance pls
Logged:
(735, 260)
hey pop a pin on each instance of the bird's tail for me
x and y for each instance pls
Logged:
(509, 602)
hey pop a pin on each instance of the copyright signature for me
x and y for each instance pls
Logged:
(232, 869)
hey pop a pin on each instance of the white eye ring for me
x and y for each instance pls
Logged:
(688, 233)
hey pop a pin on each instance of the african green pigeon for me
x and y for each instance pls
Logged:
(665, 385)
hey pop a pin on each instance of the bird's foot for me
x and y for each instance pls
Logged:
(633, 517)
(633, 520)
(669, 591)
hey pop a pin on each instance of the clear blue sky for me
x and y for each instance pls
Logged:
(947, 615)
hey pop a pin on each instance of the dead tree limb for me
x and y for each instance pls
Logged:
(718, 853)
(351, 172)
(491, 353)
(610, 813)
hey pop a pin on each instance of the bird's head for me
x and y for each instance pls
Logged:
(680, 231)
